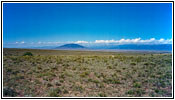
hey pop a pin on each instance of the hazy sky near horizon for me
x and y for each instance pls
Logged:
(65, 22)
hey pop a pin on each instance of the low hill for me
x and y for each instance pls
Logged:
(71, 46)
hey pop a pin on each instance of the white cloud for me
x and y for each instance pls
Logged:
(136, 41)
(22, 42)
(161, 40)
(105, 41)
(121, 41)
(125, 41)
(168, 41)
(81, 42)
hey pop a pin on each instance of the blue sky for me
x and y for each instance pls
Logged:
(86, 22)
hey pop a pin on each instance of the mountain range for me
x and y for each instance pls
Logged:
(154, 47)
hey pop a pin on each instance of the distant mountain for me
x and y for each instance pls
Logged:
(147, 47)
(159, 47)
(71, 46)
(156, 47)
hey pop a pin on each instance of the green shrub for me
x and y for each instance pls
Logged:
(136, 92)
(133, 63)
(137, 85)
(131, 92)
(146, 63)
(49, 85)
(78, 88)
(19, 76)
(28, 54)
(156, 90)
(111, 81)
(102, 95)
(9, 92)
(118, 70)
(55, 92)
(94, 81)
(84, 74)
(139, 92)
(109, 67)
(65, 91)
(62, 76)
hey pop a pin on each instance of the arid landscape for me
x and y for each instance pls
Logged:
(87, 49)
(71, 73)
